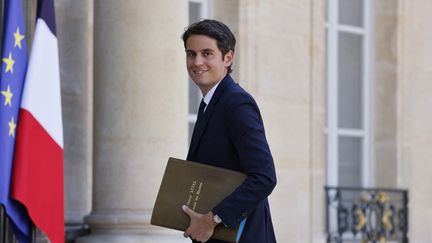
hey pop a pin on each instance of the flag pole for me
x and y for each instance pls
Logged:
(2, 224)
(33, 233)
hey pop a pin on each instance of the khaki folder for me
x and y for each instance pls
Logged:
(199, 186)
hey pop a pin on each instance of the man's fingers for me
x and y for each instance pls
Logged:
(199, 229)
(187, 233)
(187, 210)
(190, 213)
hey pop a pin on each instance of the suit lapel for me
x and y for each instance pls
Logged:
(201, 124)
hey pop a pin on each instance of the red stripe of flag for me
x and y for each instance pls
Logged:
(39, 181)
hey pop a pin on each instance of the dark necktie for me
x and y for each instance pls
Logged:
(201, 109)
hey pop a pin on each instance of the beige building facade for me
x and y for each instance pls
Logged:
(128, 105)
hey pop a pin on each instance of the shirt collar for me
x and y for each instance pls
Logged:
(210, 94)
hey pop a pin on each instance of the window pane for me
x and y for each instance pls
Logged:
(351, 12)
(194, 97)
(326, 6)
(326, 53)
(350, 158)
(194, 12)
(350, 78)
(191, 127)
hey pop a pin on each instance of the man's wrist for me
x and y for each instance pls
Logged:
(216, 219)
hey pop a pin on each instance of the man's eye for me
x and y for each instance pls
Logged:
(206, 54)
(189, 54)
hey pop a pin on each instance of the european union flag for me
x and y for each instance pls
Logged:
(13, 69)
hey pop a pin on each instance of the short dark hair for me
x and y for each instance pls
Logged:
(214, 29)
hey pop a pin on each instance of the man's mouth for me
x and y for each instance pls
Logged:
(200, 71)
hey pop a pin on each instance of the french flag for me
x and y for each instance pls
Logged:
(37, 180)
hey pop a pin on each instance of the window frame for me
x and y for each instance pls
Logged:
(333, 131)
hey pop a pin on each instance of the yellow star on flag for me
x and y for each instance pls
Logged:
(18, 38)
(12, 126)
(9, 63)
(8, 96)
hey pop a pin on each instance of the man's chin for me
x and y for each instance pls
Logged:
(200, 81)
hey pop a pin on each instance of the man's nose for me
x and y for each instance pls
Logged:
(199, 60)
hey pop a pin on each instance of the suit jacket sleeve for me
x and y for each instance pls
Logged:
(246, 131)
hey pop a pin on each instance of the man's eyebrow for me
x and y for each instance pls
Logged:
(204, 50)
(208, 50)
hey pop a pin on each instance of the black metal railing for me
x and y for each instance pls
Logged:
(366, 215)
(6, 235)
(6, 232)
(72, 232)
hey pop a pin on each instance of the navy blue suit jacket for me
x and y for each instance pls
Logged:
(230, 134)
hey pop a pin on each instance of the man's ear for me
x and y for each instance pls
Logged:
(228, 58)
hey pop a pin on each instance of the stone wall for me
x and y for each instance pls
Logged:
(414, 116)
(281, 63)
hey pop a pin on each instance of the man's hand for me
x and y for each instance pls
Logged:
(201, 225)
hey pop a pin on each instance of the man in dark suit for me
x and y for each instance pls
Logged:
(229, 133)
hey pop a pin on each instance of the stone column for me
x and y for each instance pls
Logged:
(140, 103)
(75, 39)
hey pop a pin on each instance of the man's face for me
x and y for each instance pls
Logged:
(204, 61)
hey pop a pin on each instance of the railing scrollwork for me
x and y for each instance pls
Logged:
(366, 215)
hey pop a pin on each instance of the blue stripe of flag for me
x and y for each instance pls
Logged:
(46, 14)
